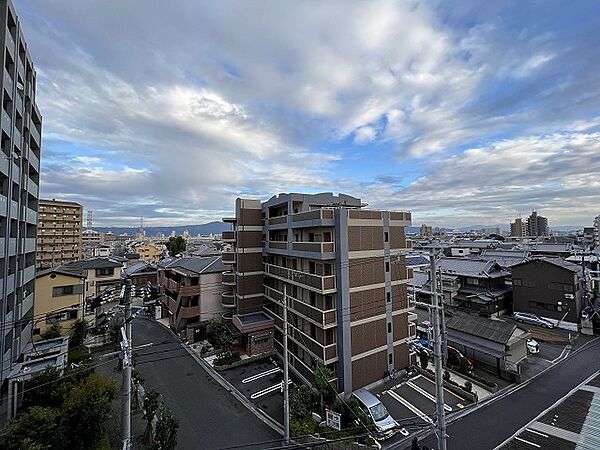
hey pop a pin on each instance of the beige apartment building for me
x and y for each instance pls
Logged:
(149, 251)
(345, 276)
(60, 239)
(59, 299)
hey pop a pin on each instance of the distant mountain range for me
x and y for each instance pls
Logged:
(203, 229)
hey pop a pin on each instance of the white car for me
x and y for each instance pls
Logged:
(532, 319)
(532, 346)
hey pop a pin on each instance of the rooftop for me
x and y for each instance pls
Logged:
(196, 266)
(471, 267)
(95, 263)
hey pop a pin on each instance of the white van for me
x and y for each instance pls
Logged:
(385, 425)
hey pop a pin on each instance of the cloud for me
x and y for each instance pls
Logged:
(171, 112)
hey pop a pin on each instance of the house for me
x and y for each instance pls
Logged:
(141, 273)
(505, 258)
(551, 249)
(191, 292)
(494, 345)
(551, 288)
(59, 299)
(465, 247)
(101, 273)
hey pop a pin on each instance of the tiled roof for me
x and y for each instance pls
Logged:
(505, 258)
(61, 270)
(138, 267)
(556, 262)
(95, 263)
(493, 330)
(209, 264)
(471, 267)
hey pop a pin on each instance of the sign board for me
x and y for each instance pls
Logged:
(334, 419)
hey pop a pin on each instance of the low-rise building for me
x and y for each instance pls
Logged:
(149, 251)
(141, 273)
(101, 273)
(59, 299)
(466, 247)
(550, 288)
(505, 258)
(191, 292)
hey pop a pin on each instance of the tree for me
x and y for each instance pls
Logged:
(86, 410)
(166, 430)
(53, 332)
(78, 332)
(36, 429)
(303, 401)
(151, 405)
(327, 392)
(176, 245)
(46, 390)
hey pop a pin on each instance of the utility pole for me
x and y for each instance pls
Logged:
(286, 387)
(443, 318)
(437, 357)
(127, 363)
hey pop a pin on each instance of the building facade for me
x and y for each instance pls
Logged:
(149, 251)
(344, 274)
(101, 273)
(537, 225)
(518, 228)
(21, 127)
(551, 288)
(60, 239)
(597, 231)
(59, 299)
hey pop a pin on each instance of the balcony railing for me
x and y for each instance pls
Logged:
(318, 247)
(317, 214)
(228, 278)
(321, 284)
(228, 257)
(278, 245)
(227, 300)
(228, 236)
(277, 220)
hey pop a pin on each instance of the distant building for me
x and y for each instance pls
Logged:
(426, 230)
(597, 231)
(465, 247)
(537, 225)
(551, 288)
(518, 228)
(60, 235)
(91, 237)
(588, 237)
(59, 299)
(149, 251)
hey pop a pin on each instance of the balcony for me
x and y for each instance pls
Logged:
(35, 134)
(10, 43)
(316, 247)
(8, 82)
(189, 291)
(317, 283)
(6, 122)
(29, 245)
(277, 245)
(317, 315)
(316, 218)
(279, 220)
(227, 300)
(228, 236)
(228, 257)
(229, 219)
(228, 278)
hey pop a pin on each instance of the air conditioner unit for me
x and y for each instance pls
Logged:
(569, 296)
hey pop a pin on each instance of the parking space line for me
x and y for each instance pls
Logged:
(528, 442)
(426, 394)
(260, 375)
(412, 407)
(449, 392)
(536, 432)
(268, 390)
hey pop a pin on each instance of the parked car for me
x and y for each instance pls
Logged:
(532, 346)
(384, 424)
(532, 319)
(456, 358)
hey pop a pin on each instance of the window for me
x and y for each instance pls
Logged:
(59, 291)
(388, 297)
(517, 282)
(387, 266)
(105, 271)
(61, 316)
(473, 281)
(386, 236)
(390, 359)
(389, 326)
(529, 283)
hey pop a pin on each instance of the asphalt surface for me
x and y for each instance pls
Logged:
(493, 423)
(209, 416)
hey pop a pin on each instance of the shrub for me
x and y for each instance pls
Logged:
(78, 355)
(227, 357)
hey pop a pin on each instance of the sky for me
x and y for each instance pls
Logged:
(463, 112)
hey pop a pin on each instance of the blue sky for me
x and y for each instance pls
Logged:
(461, 112)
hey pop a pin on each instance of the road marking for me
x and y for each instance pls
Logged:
(426, 394)
(412, 407)
(260, 375)
(268, 390)
(528, 442)
(449, 392)
(536, 432)
(566, 349)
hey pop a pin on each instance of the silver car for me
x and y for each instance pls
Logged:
(532, 319)
(385, 424)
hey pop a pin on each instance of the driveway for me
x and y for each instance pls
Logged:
(209, 417)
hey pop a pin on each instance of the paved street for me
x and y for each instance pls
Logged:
(209, 417)
(493, 423)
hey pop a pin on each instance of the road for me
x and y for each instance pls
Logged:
(209, 417)
(493, 423)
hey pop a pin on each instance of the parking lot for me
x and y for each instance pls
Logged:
(412, 403)
(260, 382)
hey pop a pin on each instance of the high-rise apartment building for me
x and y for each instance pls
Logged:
(21, 125)
(537, 225)
(344, 274)
(426, 230)
(518, 228)
(60, 238)
(597, 231)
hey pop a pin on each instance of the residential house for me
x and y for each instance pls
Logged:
(59, 299)
(505, 258)
(101, 273)
(551, 288)
(141, 273)
(466, 247)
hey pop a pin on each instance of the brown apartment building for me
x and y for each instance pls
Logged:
(60, 238)
(345, 276)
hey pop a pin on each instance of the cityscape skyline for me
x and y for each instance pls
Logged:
(431, 119)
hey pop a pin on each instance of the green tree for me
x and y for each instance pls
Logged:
(86, 410)
(46, 390)
(303, 401)
(78, 333)
(176, 245)
(151, 406)
(36, 429)
(327, 392)
(166, 430)
(53, 332)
